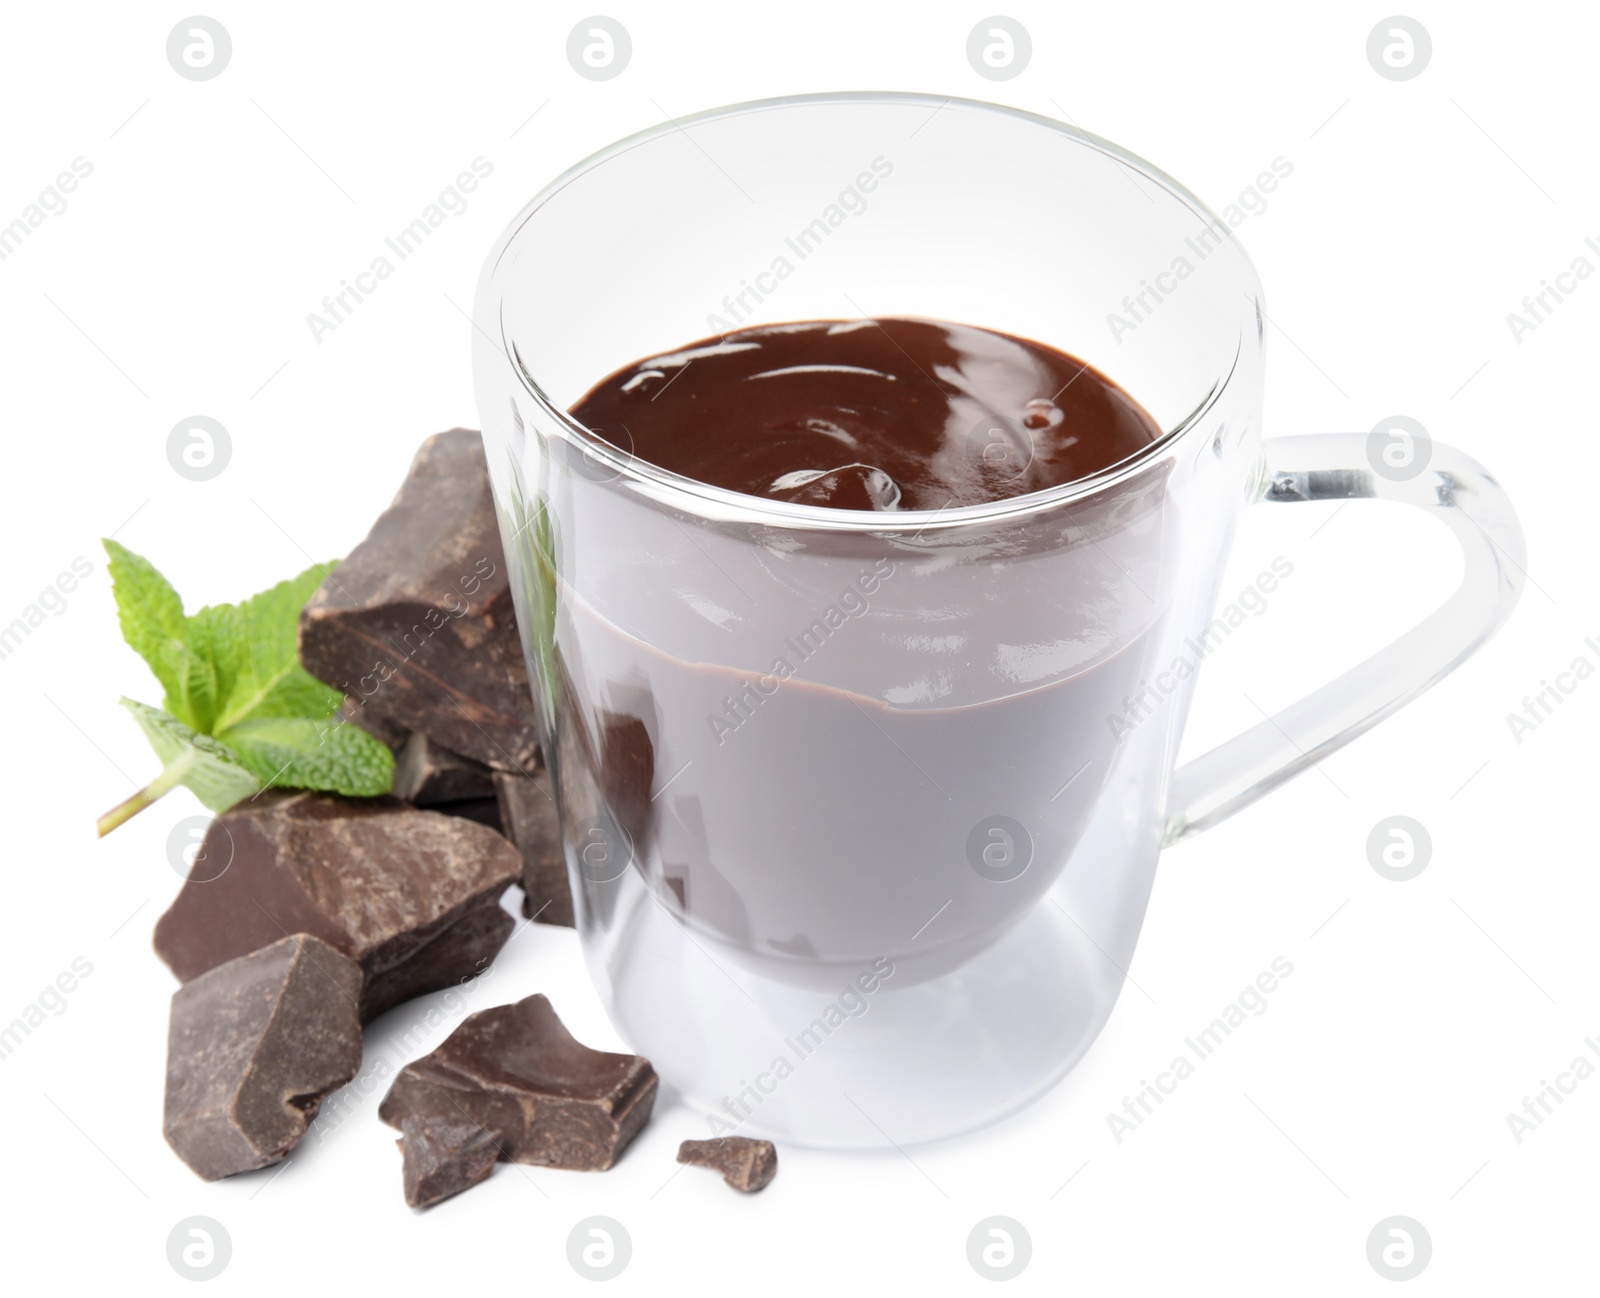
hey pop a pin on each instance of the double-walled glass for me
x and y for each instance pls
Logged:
(862, 810)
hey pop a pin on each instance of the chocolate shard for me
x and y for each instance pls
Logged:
(444, 1156)
(252, 1047)
(417, 622)
(516, 1073)
(427, 773)
(411, 895)
(486, 811)
(528, 817)
(382, 729)
(746, 1164)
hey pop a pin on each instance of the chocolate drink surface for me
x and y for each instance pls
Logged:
(804, 743)
(870, 414)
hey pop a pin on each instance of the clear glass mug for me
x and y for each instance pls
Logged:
(862, 810)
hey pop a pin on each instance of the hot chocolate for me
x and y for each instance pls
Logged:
(909, 723)
(890, 414)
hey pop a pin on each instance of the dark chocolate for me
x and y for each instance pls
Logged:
(515, 1074)
(528, 815)
(746, 1164)
(417, 622)
(252, 1047)
(486, 811)
(443, 1156)
(385, 731)
(427, 773)
(411, 895)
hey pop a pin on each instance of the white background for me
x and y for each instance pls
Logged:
(1419, 1014)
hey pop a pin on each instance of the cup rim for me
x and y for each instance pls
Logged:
(608, 462)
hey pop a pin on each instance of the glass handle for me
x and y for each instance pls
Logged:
(1335, 466)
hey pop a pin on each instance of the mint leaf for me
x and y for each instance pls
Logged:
(208, 664)
(212, 771)
(148, 610)
(313, 755)
(192, 696)
(240, 712)
(269, 680)
(532, 546)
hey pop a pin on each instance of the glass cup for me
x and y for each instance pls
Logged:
(862, 810)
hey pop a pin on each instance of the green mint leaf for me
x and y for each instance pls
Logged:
(208, 665)
(192, 698)
(148, 610)
(304, 754)
(211, 770)
(532, 552)
(241, 713)
(266, 679)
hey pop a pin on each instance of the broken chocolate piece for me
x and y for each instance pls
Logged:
(486, 811)
(410, 895)
(443, 1157)
(745, 1164)
(386, 732)
(417, 622)
(427, 773)
(516, 1073)
(252, 1048)
(528, 816)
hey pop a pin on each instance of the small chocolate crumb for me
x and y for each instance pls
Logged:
(746, 1164)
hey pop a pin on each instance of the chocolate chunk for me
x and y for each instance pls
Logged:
(380, 728)
(486, 811)
(410, 895)
(443, 1157)
(516, 1073)
(417, 621)
(253, 1046)
(427, 773)
(745, 1164)
(528, 815)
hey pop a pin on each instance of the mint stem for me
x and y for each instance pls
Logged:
(170, 777)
